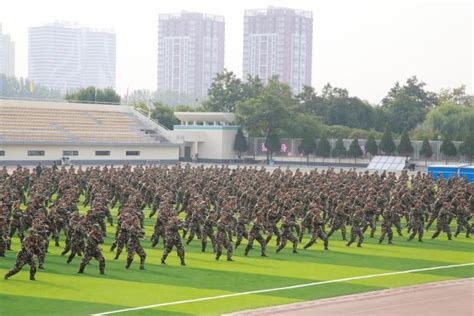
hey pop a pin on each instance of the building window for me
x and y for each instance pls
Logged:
(102, 153)
(132, 153)
(2, 152)
(70, 153)
(35, 152)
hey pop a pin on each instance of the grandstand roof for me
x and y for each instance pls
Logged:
(205, 117)
(44, 122)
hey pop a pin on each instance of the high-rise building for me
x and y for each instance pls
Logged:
(7, 54)
(67, 57)
(279, 41)
(190, 52)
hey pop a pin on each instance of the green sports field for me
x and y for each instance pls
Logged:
(59, 290)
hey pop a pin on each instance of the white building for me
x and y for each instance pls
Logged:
(67, 57)
(279, 41)
(208, 134)
(190, 52)
(40, 131)
(7, 54)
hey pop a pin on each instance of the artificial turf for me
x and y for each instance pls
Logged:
(59, 290)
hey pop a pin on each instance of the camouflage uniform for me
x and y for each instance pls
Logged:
(222, 238)
(133, 246)
(92, 250)
(286, 226)
(386, 226)
(462, 219)
(317, 230)
(356, 229)
(25, 256)
(339, 222)
(241, 230)
(254, 234)
(444, 217)
(208, 231)
(173, 239)
(417, 222)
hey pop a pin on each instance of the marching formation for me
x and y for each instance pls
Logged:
(226, 207)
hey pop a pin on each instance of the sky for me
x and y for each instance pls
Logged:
(364, 46)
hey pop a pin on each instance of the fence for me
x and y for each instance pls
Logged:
(290, 149)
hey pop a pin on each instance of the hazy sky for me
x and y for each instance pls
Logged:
(362, 45)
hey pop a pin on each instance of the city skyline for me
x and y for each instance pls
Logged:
(278, 41)
(66, 56)
(190, 52)
(7, 54)
(366, 47)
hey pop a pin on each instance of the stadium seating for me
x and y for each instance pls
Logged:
(72, 124)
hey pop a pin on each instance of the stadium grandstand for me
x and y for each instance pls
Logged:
(47, 132)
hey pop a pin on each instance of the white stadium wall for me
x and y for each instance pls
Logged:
(19, 153)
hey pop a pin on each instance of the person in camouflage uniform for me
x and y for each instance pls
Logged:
(438, 204)
(77, 243)
(196, 221)
(173, 239)
(208, 231)
(258, 227)
(240, 229)
(387, 226)
(92, 249)
(396, 216)
(4, 236)
(222, 237)
(417, 218)
(357, 222)
(286, 225)
(133, 244)
(25, 256)
(444, 217)
(317, 229)
(273, 217)
(17, 222)
(339, 219)
(160, 224)
(370, 214)
(462, 218)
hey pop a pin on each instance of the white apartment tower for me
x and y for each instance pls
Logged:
(279, 41)
(7, 54)
(67, 57)
(190, 52)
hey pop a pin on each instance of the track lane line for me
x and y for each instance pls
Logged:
(283, 288)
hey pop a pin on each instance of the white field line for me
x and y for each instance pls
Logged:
(283, 288)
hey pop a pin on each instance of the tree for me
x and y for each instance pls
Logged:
(405, 147)
(13, 87)
(448, 149)
(450, 120)
(251, 88)
(354, 150)
(406, 106)
(224, 93)
(387, 145)
(426, 151)
(456, 96)
(371, 146)
(269, 113)
(94, 95)
(308, 146)
(165, 115)
(339, 151)
(467, 147)
(272, 142)
(324, 148)
(240, 142)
